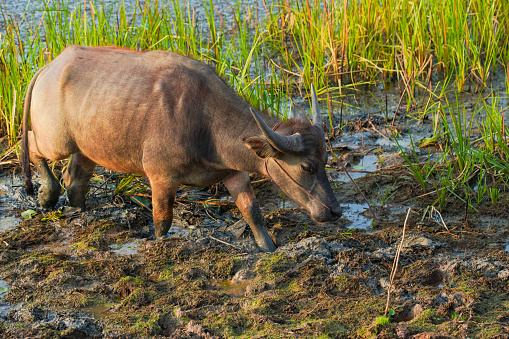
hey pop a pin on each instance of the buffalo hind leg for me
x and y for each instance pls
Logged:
(240, 188)
(49, 191)
(163, 197)
(76, 178)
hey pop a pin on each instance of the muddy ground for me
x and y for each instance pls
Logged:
(100, 274)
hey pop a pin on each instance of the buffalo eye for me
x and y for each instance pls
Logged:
(307, 168)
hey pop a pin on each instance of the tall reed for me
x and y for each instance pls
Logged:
(150, 25)
(371, 39)
(271, 54)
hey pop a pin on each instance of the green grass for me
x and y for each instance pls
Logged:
(472, 167)
(169, 26)
(270, 57)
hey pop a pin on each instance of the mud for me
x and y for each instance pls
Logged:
(100, 274)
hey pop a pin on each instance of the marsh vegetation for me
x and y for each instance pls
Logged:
(420, 87)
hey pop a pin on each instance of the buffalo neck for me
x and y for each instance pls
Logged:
(235, 154)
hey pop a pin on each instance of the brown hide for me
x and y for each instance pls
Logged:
(172, 119)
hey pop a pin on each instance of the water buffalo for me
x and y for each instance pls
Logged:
(172, 119)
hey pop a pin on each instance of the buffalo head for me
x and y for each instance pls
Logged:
(296, 162)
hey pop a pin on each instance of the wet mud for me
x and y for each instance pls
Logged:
(100, 273)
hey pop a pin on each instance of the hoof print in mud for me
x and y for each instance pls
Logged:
(70, 324)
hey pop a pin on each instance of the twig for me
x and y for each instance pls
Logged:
(9, 162)
(360, 171)
(260, 181)
(226, 243)
(434, 210)
(213, 202)
(395, 264)
(455, 236)
(314, 308)
(295, 269)
(397, 108)
(374, 128)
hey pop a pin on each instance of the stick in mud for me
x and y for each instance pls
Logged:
(395, 264)
(226, 243)
(295, 269)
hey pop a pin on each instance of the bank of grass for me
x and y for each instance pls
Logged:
(471, 144)
(233, 52)
(346, 42)
(271, 55)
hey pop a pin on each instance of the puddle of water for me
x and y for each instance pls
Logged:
(178, 230)
(130, 248)
(507, 248)
(8, 223)
(287, 204)
(9, 199)
(233, 289)
(353, 212)
(368, 163)
(404, 142)
(4, 288)
(4, 309)
(98, 311)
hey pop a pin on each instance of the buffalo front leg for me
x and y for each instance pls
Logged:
(76, 178)
(163, 197)
(240, 188)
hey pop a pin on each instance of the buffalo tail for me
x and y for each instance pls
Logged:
(25, 151)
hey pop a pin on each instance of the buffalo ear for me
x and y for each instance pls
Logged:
(261, 147)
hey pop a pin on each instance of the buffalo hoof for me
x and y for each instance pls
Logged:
(161, 228)
(48, 196)
(266, 244)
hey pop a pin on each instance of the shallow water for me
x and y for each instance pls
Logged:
(177, 230)
(353, 212)
(98, 311)
(8, 199)
(288, 204)
(8, 222)
(365, 165)
(234, 289)
(4, 288)
(130, 248)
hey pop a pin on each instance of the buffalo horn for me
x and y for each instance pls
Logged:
(317, 117)
(280, 142)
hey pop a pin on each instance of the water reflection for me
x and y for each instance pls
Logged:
(363, 166)
(4, 309)
(98, 311)
(130, 248)
(353, 212)
(8, 223)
